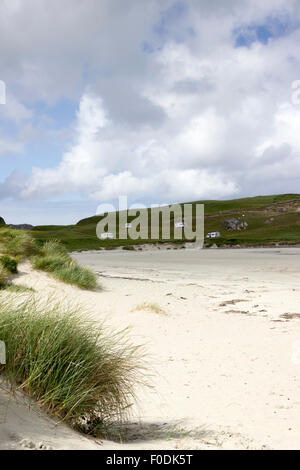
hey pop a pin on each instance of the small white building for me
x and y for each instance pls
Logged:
(213, 235)
(106, 235)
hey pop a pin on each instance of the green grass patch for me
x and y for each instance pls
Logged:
(11, 264)
(70, 365)
(257, 210)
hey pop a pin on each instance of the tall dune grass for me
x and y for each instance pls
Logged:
(54, 258)
(72, 366)
(5, 276)
(17, 243)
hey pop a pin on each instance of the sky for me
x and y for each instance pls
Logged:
(161, 101)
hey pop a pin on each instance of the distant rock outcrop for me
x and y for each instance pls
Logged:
(235, 224)
(214, 246)
(2, 221)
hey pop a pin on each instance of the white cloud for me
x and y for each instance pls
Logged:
(94, 164)
(189, 118)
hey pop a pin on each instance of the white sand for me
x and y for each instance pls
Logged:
(222, 373)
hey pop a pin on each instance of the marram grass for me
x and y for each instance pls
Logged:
(53, 258)
(17, 243)
(71, 366)
(5, 276)
(150, 307)
(11, 264)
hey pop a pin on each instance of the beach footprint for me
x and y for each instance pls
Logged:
(28, 444)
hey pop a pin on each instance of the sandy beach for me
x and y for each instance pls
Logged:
(221, 353)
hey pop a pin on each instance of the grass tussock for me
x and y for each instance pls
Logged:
(149, 307)
(5, 277)
(11, 264)
(71, 366)
(54, 259)
(17, 243)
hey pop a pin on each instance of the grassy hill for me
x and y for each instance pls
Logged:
(271, 219)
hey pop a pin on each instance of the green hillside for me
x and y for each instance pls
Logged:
(271, 219)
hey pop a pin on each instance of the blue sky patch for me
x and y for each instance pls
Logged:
(272, 28)
(171, 25)
(172, 14)
(63, 113)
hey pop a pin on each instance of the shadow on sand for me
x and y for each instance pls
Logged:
(152, 431)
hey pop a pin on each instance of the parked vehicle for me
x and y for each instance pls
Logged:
(213, 235)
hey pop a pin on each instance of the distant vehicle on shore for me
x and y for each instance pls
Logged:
(213, 235)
